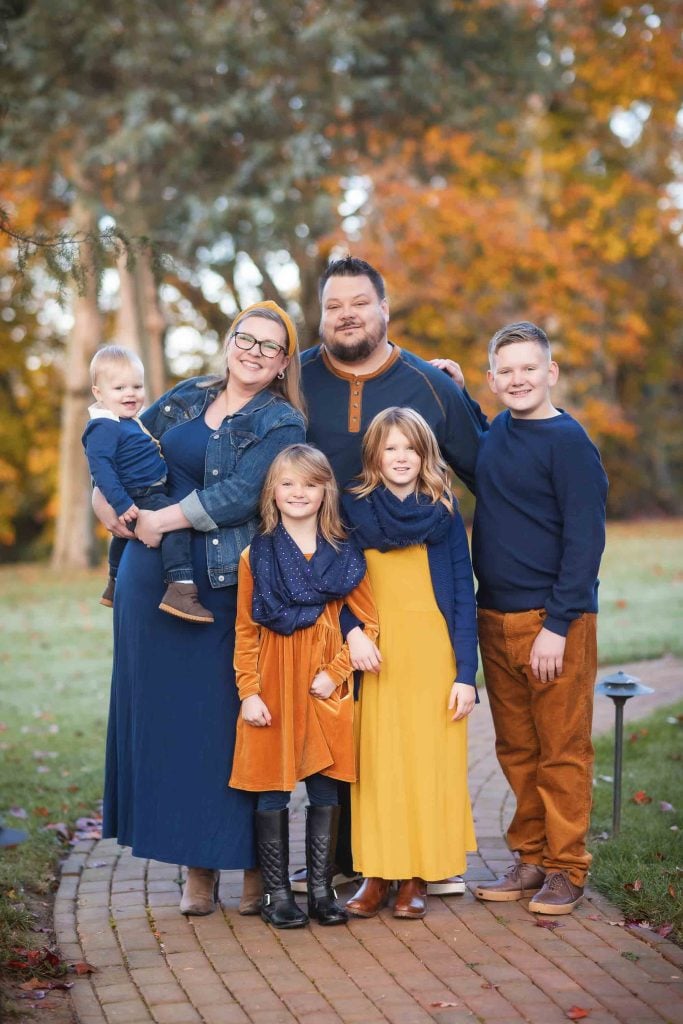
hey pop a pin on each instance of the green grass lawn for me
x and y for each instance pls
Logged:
(55, 655)
(642, 869)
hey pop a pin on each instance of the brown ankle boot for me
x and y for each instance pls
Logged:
(370, 898)
(252, 892)
(182, 601)
(411, 901)
(107, 598)
(200, 894)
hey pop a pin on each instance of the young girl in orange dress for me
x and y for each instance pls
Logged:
(293, 669)
(410, 810)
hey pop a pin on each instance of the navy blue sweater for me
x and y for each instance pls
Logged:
(539, 523)
(341, 405)
(123, 459)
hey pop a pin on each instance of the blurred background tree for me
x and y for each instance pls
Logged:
(495, 160)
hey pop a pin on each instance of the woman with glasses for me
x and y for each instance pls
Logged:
(174, 703)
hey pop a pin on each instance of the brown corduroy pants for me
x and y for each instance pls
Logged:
(543, 737)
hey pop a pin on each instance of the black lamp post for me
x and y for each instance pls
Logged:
(620, 687)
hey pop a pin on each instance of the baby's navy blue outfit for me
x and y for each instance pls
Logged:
(127, 465)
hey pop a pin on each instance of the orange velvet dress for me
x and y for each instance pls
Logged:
(307, 734)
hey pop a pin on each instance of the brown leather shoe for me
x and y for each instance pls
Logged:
(107, 598)
(370, 898)
(182, 601)
(252, 893)
(519, 882)
(200, 893)
(411, 900)
(558, 895)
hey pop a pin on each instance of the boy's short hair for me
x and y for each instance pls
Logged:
(109, 354)
(524, 330)
(352, 266)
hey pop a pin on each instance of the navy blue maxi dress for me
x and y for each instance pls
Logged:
(174, 704)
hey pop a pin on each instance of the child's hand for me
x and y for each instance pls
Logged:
(364, 653)
(129, 516)
(254, 711)
(322, 686)
(462, 699)
(546, 655)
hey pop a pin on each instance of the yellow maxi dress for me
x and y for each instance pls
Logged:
(410, 809)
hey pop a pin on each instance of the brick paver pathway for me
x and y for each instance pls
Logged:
(487, 962)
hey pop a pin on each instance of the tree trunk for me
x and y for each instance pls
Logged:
(140, 323)
(74, 546)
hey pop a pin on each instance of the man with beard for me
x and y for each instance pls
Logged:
(357, 372)
(354, 373)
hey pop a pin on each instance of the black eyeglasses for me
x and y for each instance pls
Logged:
(245, 342)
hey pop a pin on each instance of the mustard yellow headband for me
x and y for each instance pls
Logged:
(292, 339)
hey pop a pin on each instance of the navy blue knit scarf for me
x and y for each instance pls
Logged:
(290, 591)
(382, 521)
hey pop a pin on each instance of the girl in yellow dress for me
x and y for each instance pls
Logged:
(293, 670)
(411, 818)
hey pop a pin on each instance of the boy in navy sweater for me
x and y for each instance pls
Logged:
(539, 533)
(127, 465)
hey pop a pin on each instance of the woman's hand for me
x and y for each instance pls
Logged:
(147, 528)
(107, 516)
(323, 686)
(365, 656)
(255, 712)
(462, 699)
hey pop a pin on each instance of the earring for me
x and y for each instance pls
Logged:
(281, 375)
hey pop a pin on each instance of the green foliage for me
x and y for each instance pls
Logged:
(640, 871)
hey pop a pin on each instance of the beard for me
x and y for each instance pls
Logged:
(360, 348)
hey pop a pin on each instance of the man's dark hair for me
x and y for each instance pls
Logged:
(351, 266)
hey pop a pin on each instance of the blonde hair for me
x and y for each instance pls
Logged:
(288, 387)
(311, 464)
(433, 476)
(110, 355)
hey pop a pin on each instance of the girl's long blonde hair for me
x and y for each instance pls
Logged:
(433, 477)
(311, 464)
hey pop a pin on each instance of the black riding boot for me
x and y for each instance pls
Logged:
(272, 844)
(321, 840)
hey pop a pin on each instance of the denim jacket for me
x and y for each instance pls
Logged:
(238, 456)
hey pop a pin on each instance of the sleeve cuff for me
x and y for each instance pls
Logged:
(194, 511)
(559, 626)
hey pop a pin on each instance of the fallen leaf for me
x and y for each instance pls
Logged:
(18, 812)
(666, 807)
(672, 892)
(641, 797)
(550, 925)
(664, 930)
(441, 1003)
(633, 886)
(577, 1013)
(29, 986)
(82, 968)
(61, 830)
(42, 812)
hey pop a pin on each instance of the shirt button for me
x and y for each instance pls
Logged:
(221, 579)
(167, 408)
(216, 436)
(215, 540)
(214, 472)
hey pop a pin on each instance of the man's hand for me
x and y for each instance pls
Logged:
(452, 368)
(323, 686)
(255, 712)
(365, 656)
(462, 699)
(546, 655)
